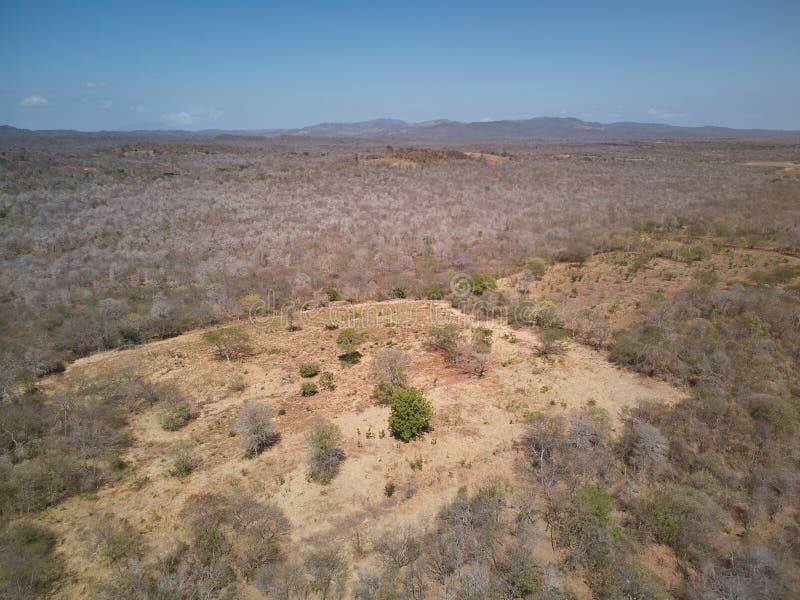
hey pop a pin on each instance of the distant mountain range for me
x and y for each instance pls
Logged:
(538, 129)
(541, 128)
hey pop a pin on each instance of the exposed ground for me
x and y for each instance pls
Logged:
(477, 423)
(622, 286)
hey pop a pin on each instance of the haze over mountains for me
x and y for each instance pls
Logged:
(443, 130)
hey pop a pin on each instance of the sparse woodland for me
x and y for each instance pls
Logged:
(674, 261)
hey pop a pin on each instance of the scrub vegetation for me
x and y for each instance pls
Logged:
(238, 367)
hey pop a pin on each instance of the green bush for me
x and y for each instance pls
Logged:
(348, 341)
(128, 334)
(775, 411)
(309, 369)
(648, 351)
(309, 388)
(481, 283)
(410, 413)
(325, 450)
(175, 415)
(591, 510)
(434, 293)
(332, 294)
(185, 463)
(399, 292)
(326, 381)
(684, 518)
(523, 576)
(445, 339)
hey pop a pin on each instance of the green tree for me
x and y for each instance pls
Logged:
(348, 341)
(411, 413)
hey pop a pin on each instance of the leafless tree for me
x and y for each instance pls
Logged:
(390, 371)
(254, 425)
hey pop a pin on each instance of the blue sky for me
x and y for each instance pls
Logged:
(246, 65)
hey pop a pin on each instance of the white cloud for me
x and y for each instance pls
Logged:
(487, 120)
(107, 104)
(33, 101)
(190, 117)
(662, 113)
(94, 85)
(180, 118)
(138, 108)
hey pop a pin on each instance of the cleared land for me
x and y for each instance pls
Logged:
(477, 423)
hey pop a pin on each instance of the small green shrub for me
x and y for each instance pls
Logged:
(175, 416)
(684, 518)
(434, 293)
(348, 341)
(325, 450)
(481, 283)
(590, 510)
(309, 388)
(389, 489)
(309, 369)
(410, 413)
(128, 334)
(399, 292)
(326, 381)
(185, 463)
(332, 294)
(444, 338)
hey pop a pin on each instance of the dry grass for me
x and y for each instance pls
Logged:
(477, 422)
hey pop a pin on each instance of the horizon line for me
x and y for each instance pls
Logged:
(432, 122)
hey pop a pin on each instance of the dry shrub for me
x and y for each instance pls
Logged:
(255, 427)
(389, 371)
(229, 343)
(116, 540)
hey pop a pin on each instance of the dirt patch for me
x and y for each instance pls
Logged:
(398, 163)
(786, 166)
(490, 158)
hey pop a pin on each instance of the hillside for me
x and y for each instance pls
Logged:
(472, 441)
(379, 515)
